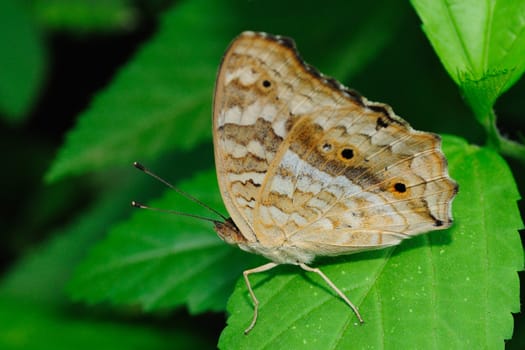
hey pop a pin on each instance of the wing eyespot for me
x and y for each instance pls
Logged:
(399, 188)
(326, 147)
(347, 153)
(335, 151)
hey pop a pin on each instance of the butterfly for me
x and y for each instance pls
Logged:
(307, 167)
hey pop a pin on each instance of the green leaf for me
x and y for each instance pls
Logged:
(443, 290)
(22, 61)
(162, 99)
(155, 101)
(481, 45)
(159, 261)
(82, 16)
(28, 326)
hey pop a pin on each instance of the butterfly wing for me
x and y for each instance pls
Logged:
(307, 167)
(262, 89)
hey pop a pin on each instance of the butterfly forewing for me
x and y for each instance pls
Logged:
(262, 89)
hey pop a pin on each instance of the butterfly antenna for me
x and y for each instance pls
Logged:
(143, 206)
(179, 191)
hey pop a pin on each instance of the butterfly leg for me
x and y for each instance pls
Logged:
(334, 287)
(262, 268)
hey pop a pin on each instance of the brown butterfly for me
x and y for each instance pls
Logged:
(308, 167)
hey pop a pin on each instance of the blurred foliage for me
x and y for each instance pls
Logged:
(84, 17)
(22, 62)
(131, 94)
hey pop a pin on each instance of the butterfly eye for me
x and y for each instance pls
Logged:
(266, 83)
(347, 153)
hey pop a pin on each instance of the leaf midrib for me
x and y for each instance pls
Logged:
(159, 253)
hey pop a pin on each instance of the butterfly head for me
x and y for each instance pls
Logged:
(229, 232)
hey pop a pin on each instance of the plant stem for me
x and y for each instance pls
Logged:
(500, 143)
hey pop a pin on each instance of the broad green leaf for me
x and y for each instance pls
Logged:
(444, 290)
(480, 43)
(162, 99)
(26, 325)
(22, 61)
(82, 16)
(47, 267)
(157, 102)
(160, 260)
